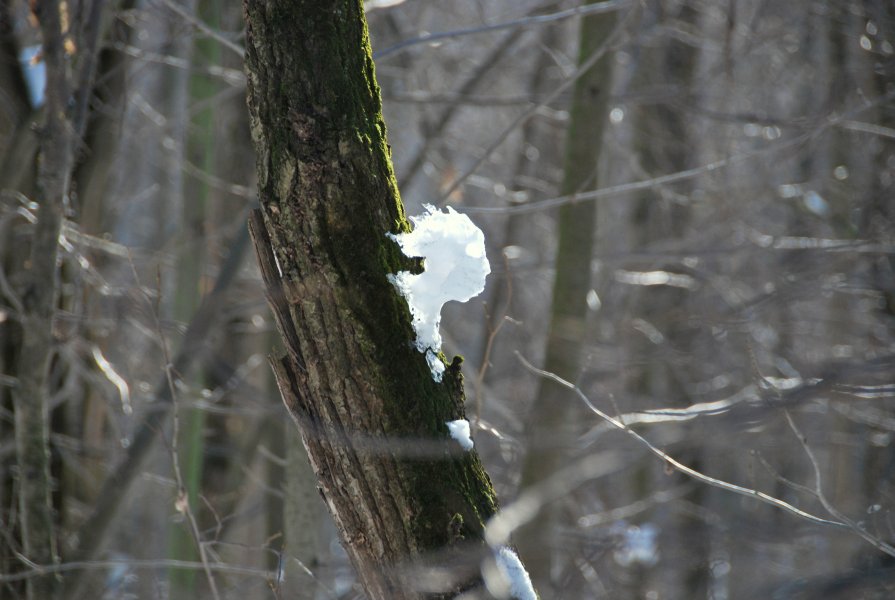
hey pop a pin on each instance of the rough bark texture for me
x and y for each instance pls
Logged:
(372, 419)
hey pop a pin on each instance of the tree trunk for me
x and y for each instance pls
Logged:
(552, 423)
(37, 522)
(371, 416)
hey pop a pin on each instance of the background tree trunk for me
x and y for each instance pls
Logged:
(742, 265)
(372, 418)
(68, 81)
(31, 399)
(554, 420)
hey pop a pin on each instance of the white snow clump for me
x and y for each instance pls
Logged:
(511, 567)
(459, 430)
(453, 252)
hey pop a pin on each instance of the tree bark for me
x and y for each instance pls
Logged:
(371, 417)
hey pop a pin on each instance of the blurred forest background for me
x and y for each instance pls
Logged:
(689, 207)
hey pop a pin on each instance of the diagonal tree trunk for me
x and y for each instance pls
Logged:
(371, 416)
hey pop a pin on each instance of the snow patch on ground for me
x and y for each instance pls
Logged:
(453, 253)
(460, 431)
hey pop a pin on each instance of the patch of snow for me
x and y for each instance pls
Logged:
(638, 544)
(34, 70)
(816, 203)
(460, 431)
(511, 567)
(455, 268)
(435, 365)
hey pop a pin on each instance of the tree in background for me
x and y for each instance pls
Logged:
(554, 419)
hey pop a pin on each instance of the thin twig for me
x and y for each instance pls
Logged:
(492, 335)
(869, 128)
(201, 26)
(785, 481)
(92, 533)
(636, 186)
(232, 77)
(825, 502)
(40, 570)
(818, 482)
(440, 123)
(579, 11)
(559, 484)
(584, 67)
(183, 504)
(678, 466)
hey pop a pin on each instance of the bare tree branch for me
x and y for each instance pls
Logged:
(578, 11)
(676, 465)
